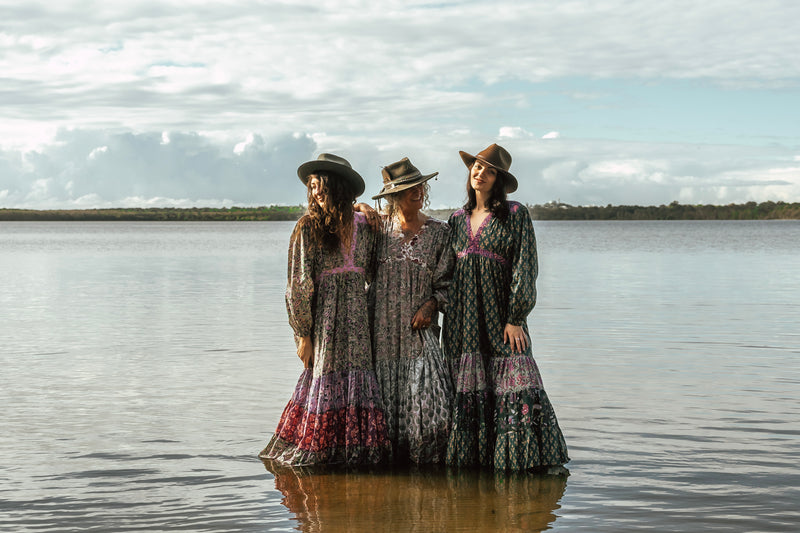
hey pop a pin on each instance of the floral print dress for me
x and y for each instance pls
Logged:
(335, 414)
(413, 377)
(502, 416)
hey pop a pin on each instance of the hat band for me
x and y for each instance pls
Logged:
(401, 181)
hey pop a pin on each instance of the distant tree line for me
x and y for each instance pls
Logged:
(673, 211)
(548, 211)
(277, 212)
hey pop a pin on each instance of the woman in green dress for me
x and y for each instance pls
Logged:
(502, 416)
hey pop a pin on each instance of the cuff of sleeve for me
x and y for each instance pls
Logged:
(516, 321)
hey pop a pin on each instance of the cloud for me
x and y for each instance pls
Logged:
(89, 168)
(96, 168)
(187, 102)
(256, 67)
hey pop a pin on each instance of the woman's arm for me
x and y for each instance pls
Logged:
(300, 292)
(524, 271)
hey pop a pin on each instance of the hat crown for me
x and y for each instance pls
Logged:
(497, 156)
(400, 171)
(333, 158)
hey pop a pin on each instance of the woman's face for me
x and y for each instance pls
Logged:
(482, 177)
(411, 200)
(317, 189)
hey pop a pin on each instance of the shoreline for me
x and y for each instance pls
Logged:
(549, 211)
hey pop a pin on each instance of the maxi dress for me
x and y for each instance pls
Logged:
(502, 417)
(412, 374)
(335, 414)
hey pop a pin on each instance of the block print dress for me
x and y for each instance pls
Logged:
(335, 414)
(412, 374)
(502, 416)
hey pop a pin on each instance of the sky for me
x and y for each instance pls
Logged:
(213, 104)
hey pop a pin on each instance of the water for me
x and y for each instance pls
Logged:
(145, 364)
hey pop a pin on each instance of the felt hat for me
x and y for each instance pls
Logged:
(335, 165)
(496, 157)
(400, 176)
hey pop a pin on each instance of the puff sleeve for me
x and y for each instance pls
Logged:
(300, 283)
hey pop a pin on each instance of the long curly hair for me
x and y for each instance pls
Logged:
(331, 223)
(497, 204)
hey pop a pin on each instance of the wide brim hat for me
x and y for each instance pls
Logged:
(334, 165)
(496, 157)
(400, 176)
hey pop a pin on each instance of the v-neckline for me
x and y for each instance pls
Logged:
(405, 241)
(474, 237)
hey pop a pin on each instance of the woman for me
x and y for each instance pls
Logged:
(502, 416)
(335, 414)
(410, 287)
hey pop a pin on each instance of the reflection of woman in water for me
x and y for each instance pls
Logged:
(502, 417)
(418, 500)
(335, 414)
(410, 288)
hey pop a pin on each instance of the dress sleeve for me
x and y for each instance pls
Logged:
(443, 272)
(300, 283)
(371, 241)
(524, 266)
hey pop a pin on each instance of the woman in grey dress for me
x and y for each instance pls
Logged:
(409, 289)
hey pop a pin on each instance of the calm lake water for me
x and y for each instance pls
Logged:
(145, 364)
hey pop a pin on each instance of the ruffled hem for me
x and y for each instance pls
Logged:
(316, 428)
(528, 433)
(505, 422)
(417, 397)
(470, 442)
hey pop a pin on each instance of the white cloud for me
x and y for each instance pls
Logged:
(513, 132)
(222, 101)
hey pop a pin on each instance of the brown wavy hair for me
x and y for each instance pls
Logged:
(497, 204)
(332, 223)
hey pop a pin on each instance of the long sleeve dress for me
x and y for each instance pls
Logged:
(412, 374)
(335, 414)
(502, 417)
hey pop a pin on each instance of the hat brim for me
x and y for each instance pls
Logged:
(510, 180)
(403, 186)
(353, 178)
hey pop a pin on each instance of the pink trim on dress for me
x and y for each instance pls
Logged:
(349, 264)
(474, 247)
(476, 250)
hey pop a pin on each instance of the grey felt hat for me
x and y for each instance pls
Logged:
(335, 165)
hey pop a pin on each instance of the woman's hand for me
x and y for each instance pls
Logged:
(515, 335)
(373, 217)
(424, 315)
(305, 351)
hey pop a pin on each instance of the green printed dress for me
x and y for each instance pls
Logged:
(502, 417)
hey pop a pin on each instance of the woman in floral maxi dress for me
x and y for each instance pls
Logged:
(502, 417)
(410, 288)
(335, 414)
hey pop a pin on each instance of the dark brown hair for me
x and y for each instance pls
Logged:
(332, 223)
(497, 204)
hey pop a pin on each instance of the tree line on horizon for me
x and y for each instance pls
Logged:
(549, 211)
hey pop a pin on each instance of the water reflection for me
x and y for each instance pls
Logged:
(432, 499)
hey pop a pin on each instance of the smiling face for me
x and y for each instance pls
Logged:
(482, 177)
(317, 189)
(412, 199)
